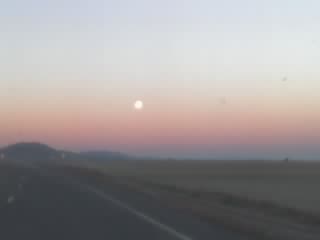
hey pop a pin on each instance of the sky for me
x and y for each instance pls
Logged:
(219, 79)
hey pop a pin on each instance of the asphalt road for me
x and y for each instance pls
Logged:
(35, 206)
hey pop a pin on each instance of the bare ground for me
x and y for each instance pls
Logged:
(273, 200)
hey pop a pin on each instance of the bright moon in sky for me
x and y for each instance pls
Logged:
(138, 105)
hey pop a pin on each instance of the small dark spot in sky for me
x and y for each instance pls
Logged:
(284, 79)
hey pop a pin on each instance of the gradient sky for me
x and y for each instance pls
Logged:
(219, 79)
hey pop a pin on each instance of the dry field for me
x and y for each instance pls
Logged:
(293, 184)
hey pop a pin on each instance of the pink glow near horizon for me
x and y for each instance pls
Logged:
(160, 128)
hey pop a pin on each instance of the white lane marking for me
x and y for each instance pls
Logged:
(138, 214)
(11, 199)
(133, 211)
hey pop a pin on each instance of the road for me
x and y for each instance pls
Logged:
(35, 206)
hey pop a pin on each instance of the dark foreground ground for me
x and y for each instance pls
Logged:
(40, 203)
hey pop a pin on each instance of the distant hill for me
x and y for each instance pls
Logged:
(105, 155)
(39, 151)
(29, 151)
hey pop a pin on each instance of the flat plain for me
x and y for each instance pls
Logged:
(294, 184)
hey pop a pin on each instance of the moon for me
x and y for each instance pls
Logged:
(138, 105)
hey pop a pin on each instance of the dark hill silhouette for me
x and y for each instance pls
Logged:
(39, 151)
(29, 151)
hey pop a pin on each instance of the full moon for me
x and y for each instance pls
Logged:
(138, 105)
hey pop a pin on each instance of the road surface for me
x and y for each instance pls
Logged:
(39, 206)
